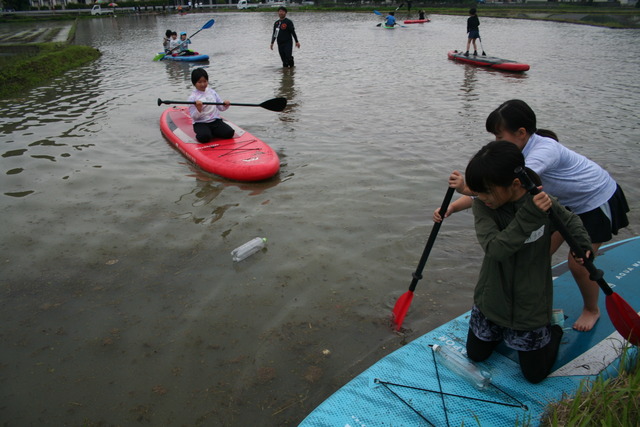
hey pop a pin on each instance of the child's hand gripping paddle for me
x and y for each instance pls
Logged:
(403, 303)
(624, 318)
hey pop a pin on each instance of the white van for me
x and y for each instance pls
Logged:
(97, 10)
(243, 4)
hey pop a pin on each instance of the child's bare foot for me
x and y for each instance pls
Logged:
(586, 320)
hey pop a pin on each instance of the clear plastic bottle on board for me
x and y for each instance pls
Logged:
(462, 366)
(248, 249)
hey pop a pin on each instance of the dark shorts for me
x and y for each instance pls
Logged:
(205, 132)
(474, 34)
(486, 330)
(601, 224)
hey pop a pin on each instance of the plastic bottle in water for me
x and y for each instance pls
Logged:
(248, 249)
(462, 366)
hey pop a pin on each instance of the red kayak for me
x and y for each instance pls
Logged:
(416, 21)
(488, 61)
(242, 158)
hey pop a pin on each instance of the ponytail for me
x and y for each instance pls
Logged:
(547, 134)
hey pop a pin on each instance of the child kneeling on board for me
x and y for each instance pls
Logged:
(514, 294)
(207, 123)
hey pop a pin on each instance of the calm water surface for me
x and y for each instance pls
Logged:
(120, 303)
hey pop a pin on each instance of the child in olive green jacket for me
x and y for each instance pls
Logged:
(514, 294)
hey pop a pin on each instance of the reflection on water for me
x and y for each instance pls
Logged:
(180, 72)
(288, 91)
(120, 303)
(52, 125)
(209, 187)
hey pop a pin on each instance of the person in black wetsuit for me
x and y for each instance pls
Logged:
(285, 33)
(473, 29)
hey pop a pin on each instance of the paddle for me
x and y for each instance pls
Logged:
(209, 24)
(403, 303)
(482, 48)
(380, 14)
(275, 104)
(624, 318)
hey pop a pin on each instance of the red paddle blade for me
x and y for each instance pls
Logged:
(624, 318)
(401, 308)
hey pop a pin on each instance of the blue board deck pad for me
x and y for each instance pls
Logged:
(409, 388)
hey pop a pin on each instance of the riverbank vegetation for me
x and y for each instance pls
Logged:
(24, 67)
(602, 402)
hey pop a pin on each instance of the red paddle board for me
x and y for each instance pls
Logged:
(488, 61)
(242, 158)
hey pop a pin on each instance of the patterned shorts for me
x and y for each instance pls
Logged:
(486, 330)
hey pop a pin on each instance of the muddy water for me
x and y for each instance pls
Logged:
(120, 303)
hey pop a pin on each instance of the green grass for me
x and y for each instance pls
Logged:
(602, 402)
(27, 66)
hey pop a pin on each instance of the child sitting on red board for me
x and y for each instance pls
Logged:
(207, 123)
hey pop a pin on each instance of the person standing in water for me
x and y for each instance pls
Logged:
(284, 32)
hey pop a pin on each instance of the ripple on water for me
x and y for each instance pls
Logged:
(115, 248)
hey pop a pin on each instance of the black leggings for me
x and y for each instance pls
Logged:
(535, 365)
(205, 132)
(286, 53)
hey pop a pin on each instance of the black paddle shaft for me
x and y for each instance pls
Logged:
(594, 273)
(417, 275)
(275, 104)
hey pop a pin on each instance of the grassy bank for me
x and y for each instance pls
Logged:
(596, 14)
(600, 15)
(27, 66)
(602, 402)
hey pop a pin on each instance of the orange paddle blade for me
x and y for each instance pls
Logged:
(401, 308)
(624, 318)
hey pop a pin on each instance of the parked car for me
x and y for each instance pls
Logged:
(97, 10)
(244, 4)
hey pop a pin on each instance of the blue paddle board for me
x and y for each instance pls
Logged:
(186, 58)
(409, 388)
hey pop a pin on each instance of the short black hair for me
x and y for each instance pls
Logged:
(197, 74)
(283, 8)
(493, 166)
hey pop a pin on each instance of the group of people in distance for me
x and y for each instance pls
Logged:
(514, 294)
(173, 45)
(284, 33)
(207, 123)
(391, 21)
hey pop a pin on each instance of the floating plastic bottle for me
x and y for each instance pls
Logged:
(248, 249)
(462, 366)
